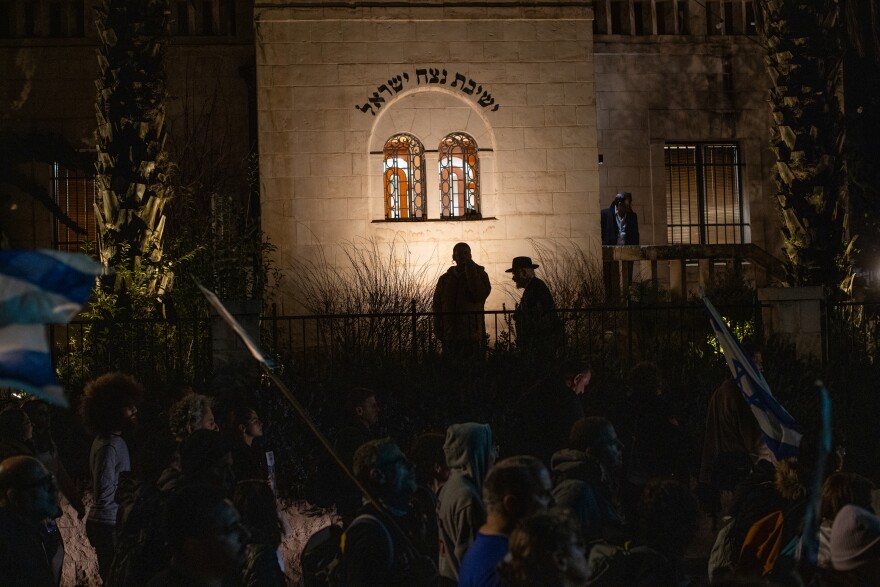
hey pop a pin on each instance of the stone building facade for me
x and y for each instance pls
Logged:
(568, 103)
(336, 84)
(422, 124)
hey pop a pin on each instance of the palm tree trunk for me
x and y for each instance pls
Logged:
(132, 179)
(804, 58)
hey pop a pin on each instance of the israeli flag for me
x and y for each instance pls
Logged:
(36, 288)
(777, 425)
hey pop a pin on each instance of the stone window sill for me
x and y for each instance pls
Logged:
(416, 221)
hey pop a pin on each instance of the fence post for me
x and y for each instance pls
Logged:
(629, 330)
(274, 321)
(415, 347)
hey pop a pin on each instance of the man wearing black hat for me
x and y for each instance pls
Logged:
(620, 226)
(537, 326)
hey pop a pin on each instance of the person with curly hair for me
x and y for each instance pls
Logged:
(192, 412)
(109, 410)
(546, 550)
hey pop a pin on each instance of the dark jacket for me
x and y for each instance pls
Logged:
(544, 418)
(376, 553)
(609, 227)
(537, 324)
(23, 560)
(461, 290)
(248, 462)
(580, 486)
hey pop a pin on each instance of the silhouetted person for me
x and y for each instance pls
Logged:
(459, 298)
(538, 328)
(587, 477)
(16, 434)
(109, 409)
(432, 472)
(28, 496)
(246, 431)
(192, 412)
(378, 552)
(546, 413)
(206, 538)
(361, 426)
(255, 503)
(46, 451)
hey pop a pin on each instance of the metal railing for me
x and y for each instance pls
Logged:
(182, 351)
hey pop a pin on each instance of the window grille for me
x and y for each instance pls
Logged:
(74, 192)
(704, 203)
(459, 177)
(404, 178)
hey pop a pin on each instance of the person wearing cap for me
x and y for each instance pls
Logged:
(620, 226)
(458, 305)
(855, 546)
(537, 326)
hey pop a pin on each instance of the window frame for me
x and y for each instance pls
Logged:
(61, 179)
(470, 162)
(413, 174)
(701, 170)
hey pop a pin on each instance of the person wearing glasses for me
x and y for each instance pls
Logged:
(28, 496)
(379, 547)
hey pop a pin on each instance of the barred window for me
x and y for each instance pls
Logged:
(704, 203)
(459, 177)
(74, 192)
(404, 178)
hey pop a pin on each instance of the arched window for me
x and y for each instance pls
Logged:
(404, 178)
(459, 177)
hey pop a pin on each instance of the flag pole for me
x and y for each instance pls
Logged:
(269, 369)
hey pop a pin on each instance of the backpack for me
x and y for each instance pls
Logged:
(321, 558)
(633, 566)
(722, 559)
(141, 551)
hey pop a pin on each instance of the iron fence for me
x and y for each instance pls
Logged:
(307, 346)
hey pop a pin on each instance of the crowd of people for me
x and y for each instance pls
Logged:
(567, 498)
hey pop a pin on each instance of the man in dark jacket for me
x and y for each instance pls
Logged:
(28, 496)
(458, 305)
(538, 328)
(620, 226)
(549, 409)
(378, 546)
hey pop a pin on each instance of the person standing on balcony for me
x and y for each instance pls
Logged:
(538, 328)
(620, 226)
(458, 305)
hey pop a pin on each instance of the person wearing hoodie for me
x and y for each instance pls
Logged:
(458, 303)
(460, 510)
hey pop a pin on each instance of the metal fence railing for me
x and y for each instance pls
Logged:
(182, 350)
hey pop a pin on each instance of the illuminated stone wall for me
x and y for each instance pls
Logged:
(335, 83)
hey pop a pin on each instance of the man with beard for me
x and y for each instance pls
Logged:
(379, 545)
(28, 496)
(538, 329)
(109, 409)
